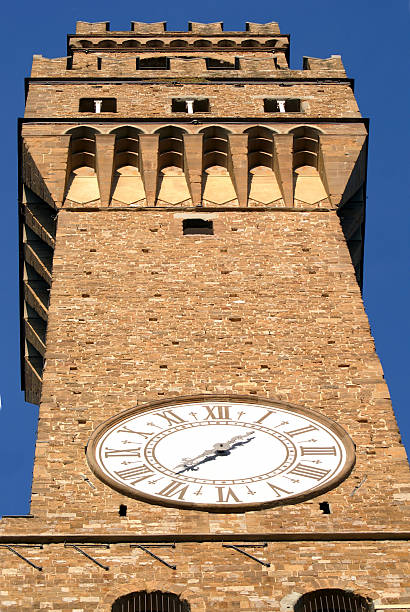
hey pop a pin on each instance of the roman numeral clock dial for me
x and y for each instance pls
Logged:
(219, 454)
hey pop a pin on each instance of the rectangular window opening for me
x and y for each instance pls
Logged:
(219, 64)
(271, 105)
(152, 63)
(98, 105)
(190, 106)
(197, 226)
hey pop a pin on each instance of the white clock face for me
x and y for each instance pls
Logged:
(219, 454)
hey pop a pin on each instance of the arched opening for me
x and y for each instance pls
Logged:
(332, 600)
(308, 186)
(270, 43)
(250, 43)
(305, 146)
(218, 186)
(154, 43)
(156, 601)
(131, 44)
(178, 43)
(107, 44)
(172, 187)
(128, 187)
(86, 44)
(202, 43)
(226, 43)
(263, 185)
(260, 147)
(82, 186)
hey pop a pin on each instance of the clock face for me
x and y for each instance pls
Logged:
(220, 454)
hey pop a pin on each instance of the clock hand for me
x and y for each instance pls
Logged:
(216, 447)
(221, 450)
(187, 461)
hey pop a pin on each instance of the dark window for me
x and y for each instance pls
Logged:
(271, 105)
(218, 64)
(98, 105)
(187, 105)
(150, 602)
(332, 600)
(152, 63)
(197, 226)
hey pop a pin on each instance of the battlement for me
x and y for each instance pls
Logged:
(160, 27)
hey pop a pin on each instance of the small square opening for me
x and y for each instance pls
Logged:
(197, 226)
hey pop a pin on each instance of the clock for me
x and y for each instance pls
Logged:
(220, 454)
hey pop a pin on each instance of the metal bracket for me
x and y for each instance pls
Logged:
(105, 567)
(12, 547)
(239, 548)
(146, 547)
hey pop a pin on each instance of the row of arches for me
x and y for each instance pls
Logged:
(179, 43)
(172, 166)
(322, 600)
(215, 147)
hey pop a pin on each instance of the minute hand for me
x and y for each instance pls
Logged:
(222, 450)
(188, 462)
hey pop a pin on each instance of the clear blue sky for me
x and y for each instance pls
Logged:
(372, 37)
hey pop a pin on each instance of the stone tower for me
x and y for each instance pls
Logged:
(215, 431)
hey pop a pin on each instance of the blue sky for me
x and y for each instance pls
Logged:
(372, 37)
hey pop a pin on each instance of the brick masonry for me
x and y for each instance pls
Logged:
(269, 306)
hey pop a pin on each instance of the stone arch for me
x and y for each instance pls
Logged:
(217, 179)
(128, 187)
(305, 146)
(171, 146)
(263, 184)
(131, 44)
(196, 603)
(82, 147)
(215, 146)
(316, 128)
(144, 601)
(172, 184)
(202, 43)
(82, 185)
(308, 185)
(333, 600)
(154, 43)
(86, 44)
(126, 146)
(226, 43)
(270, 43)
(111, 44)
(179, 43)
(260, 146)
(250, 43)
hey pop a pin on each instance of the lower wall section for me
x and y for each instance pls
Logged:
(207, 575)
